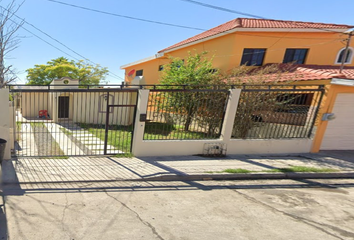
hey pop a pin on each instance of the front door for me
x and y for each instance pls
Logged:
(63, 107)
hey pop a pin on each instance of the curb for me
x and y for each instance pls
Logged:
(208, 177)
(250, 176)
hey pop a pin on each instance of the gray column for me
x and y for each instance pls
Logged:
(230, 114)
(139, 127)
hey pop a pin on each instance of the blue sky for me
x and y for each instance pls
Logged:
(114, 41)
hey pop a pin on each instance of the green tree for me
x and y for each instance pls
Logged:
(194, 72)
(205, 108)
(86, 73)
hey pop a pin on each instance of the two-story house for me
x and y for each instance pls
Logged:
(317, 49)
(254, 42)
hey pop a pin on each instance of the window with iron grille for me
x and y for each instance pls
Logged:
(297, 56)
(253, 56)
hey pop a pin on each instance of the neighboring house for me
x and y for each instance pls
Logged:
(253, 42)
(65, 101)
(337, 133)
(313, 76)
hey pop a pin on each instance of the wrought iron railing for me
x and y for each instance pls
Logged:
(177, 114)
(273, 112)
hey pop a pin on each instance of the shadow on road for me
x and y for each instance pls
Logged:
(3, 220)
(3, 223)
(127, 186)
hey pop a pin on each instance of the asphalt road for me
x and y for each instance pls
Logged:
(282, 209)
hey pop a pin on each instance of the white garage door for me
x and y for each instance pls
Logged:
(339, 134)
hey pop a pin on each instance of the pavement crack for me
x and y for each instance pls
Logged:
(153, 229)
(301, 219)
(63, 214)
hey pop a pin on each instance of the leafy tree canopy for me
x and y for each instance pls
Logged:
(195, 70)
(86, 73)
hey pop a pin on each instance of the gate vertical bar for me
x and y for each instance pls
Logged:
(106, 127)
(322, 91)
(134, 119)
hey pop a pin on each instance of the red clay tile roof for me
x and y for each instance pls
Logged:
(257, 23)
(263, 23)
(303, 72)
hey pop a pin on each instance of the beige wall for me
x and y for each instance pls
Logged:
(89, 107)
(5, 121)
(33, 102)
(250, 146)
(12, 123)
(84, 107)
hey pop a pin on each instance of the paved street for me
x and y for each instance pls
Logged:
(113, 198)
(181, 210)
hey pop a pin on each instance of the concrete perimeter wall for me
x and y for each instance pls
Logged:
(233, 146)
(5, 121)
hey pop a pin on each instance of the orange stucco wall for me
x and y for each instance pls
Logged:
(332, 93)
(227, 50)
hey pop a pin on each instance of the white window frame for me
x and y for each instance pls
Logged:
(350, 56)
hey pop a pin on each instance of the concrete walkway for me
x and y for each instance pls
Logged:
(69, 137)
(85, 139)
(105, 169)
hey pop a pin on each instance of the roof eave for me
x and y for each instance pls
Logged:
(341, 30)
(343, 81)
(199, 41)
(138, 62)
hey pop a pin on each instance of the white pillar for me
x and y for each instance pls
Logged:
(139, 127)
(5, 121)
(54, 114)
(230, 114)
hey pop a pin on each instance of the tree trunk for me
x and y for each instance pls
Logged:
(188, 122)
(189, 119)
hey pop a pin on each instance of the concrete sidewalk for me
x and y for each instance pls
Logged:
(108, 168)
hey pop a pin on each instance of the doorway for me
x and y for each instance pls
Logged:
(63, 107)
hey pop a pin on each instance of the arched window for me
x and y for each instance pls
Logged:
(348, 58)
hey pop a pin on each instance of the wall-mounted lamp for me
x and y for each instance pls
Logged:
(328, 116)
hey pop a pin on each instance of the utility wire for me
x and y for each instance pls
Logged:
(111, 74)
(128, 17)
(223, 9)
(176, 25)
(44, 40)
(248, 14)
(194, 28)
(52, 44)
